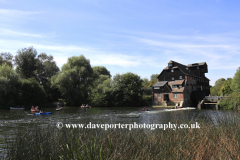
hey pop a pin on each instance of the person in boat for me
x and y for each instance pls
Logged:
(58, 106)
(87, 106)
(144, 109)
(176, 106)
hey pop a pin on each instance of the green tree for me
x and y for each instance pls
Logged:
(226, 87)
(235, 85)
(233, 100)
(75, 80)
(26, 62)
(31, 92)
(145, 82)
(215, 90)
(101, 70)
(153, 79)
(46, 68)
(9, 84)
(6, 58)
(127, 89)
(101, 93)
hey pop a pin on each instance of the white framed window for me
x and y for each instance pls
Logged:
(156, 87)
(180, 77)
(170, 64)
(180, 86)
(175, 95)
(173, 78)
(174, 86)
(172, 70)
(159, 95)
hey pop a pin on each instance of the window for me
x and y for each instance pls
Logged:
(174, 86)
(175, 95)
(180, 86)
(172, 70)
(197, 67)
(180, 77)
(156, 87)
(159, 95)
(170, 64)
(173, 78)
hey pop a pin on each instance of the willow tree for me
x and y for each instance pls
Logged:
(74, 80)
(26, 62)
(101, 92)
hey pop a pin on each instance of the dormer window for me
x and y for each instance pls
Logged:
(156, 87)
(172, 70)
(170, 64)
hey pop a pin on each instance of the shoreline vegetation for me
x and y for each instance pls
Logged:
(229, 87)
(34, 79)
(214, 140)
(30, 79)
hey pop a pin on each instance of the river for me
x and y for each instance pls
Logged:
(12, 120)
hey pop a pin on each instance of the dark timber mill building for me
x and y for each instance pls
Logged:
(181, 85)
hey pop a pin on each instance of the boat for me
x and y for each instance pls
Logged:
(45, 113)
(34, 110)
(58, 109)
(15, 108)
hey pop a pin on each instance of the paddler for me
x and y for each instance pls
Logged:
(58, 106)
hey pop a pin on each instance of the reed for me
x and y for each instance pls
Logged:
(212, 141)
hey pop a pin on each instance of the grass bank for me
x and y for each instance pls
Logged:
(208, 142)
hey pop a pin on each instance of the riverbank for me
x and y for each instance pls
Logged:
(207, 142)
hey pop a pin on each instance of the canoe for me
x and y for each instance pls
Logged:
(34, 110)
(14, 108)
(59, 109)
(43, 113)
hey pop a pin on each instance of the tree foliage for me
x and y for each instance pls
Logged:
(226, 87)
(153, 79)
(9, 84)
(127, 89)
(6, 58)
(31, 92)
(215, 90)
(233, 100)
(26, 62)
(74, 80)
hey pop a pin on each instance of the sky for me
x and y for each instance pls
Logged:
(135, 36)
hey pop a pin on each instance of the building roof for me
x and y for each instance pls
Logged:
(183, 68)
(178, 89)
(160, 84)
(176, 82)
(196, 64)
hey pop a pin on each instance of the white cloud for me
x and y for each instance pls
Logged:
(7, 32)
(12, 12)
